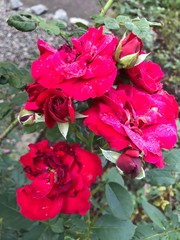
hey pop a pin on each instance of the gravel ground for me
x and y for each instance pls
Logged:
(19, 47)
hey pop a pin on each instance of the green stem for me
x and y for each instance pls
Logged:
(88, 223)
(8, 129)
(106, 7)
(90, 141)
(79, 134)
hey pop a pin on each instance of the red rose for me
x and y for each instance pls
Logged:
(130, 45)
(130, 162)
(130, 117)
(61, 176)
(33, 90)
(86, 70)
(54, 104)
(147, 76)
(128, 50)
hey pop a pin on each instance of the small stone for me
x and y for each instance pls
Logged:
(39, 9)
(61, 14)
(15, 4)
(74, 20)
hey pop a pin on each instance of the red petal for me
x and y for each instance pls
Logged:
(157, 160)
(91, 164)
(38, 209)
(82, 89)
(45, 47)
(94, 123)
(79, 204)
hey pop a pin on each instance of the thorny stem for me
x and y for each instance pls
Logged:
(8, 129)
(106, 7)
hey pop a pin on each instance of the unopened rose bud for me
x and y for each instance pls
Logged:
(128, 50)
(26, 117)
(130, 163)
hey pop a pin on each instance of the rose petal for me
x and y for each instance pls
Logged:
(79, 204)
(38, 209)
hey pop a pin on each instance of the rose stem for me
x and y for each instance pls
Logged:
(8, 129)
(106, 7)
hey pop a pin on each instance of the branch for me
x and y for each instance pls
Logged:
(106, 7)
(8, 129)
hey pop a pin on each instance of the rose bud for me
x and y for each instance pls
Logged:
(26, 117)
(129, 162)
(128, 50)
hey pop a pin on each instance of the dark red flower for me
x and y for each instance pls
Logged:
(147, 76)
(127, 117)
(61, 176)
(86, 70)
(130, 162)
(53, 103)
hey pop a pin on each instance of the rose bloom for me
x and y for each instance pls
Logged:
(130, 45)
(127, 117)
(147, 76)
(61, 176)
(53, 103)
(85, 70)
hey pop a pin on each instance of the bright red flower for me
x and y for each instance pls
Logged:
(53, 103)
(61, 176)
(147, 76)
(130, 117)
(86, 70)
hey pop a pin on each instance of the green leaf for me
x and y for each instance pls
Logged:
(128, 61)
(98, 19)
(22, 22)
(59, 23)
(10, 213)
(35, 233)
(57, 226)
(142, 29)
(159, 177)
(154, 214)
(20, 98)
(122, 19)
(111, 23)
(16, 77)
(144, 231)
(68, 238)
(172, 160)
(119, 201)
(49, 28)
(109, 227)
(114, 176)
(112, 156)
(63, 128)
(141, 58)
(5, 108)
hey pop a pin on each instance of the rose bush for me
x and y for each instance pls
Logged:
(85, 70)
(61, 176)
(127, 117)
